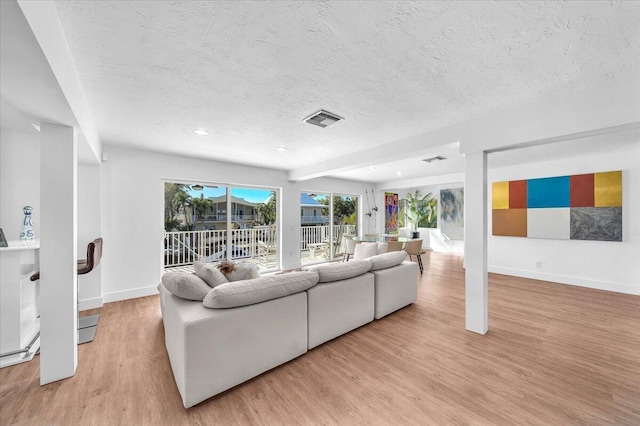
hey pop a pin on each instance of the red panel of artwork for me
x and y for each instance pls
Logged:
(582, 193)
(518, 194)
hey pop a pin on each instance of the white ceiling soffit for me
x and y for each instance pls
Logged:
(409, 167)
(587, 145)
(26, 81)
(30, 92)
(12, 120)
(579, 146)
(249, 72)
(42, 18)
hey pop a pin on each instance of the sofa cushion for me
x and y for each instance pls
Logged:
(382, 248)
(330, 272)
(364, 250)
(249, 292)
(387, 260)
(186, 286)
(210, 273)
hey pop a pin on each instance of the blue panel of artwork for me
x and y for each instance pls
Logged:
(548, 192)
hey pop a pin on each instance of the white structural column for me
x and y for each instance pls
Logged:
(58, 253)
(475, 243)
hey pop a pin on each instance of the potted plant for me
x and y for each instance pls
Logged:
(419, 208)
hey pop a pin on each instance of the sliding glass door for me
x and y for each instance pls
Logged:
(345, 220)
(219, 222)
(324, 219)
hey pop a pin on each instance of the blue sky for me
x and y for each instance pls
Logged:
(251, 195)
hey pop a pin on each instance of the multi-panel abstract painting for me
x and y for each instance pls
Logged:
(576, 207)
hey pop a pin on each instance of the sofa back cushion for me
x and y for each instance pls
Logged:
(387, 260)
(330, 272)
(267, 287)
(185, 285)
(210, 274)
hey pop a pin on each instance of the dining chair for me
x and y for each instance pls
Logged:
(395, 246)
(350, 248)
(413, 248)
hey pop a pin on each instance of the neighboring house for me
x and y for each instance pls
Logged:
(311, 211)
(243, 213)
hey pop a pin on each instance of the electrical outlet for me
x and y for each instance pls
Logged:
(539, 264)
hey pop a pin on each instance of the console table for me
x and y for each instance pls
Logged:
(19, 312)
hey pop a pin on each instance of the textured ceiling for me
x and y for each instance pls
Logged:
(249, 72)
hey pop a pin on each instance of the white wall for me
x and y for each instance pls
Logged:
(133, 212)
(89, 228)
(604, 265)
(19, 181)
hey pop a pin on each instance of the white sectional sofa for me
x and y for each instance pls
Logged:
(212, 350)
(337, 307)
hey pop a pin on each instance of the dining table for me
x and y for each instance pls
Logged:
(383, 238)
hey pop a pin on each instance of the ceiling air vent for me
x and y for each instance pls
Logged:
(323, 118)
(436, 158)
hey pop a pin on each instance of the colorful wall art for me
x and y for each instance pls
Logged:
(576, 207)
(390, 213)
(452, 213)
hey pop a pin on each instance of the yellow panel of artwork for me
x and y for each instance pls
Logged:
(608, 189)
(500, 195)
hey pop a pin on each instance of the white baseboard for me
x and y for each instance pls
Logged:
(562, 279)
(87, 304)
(116, 296)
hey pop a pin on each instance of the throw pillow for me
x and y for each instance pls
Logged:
(382, 248)
(249, 292)
(329, 272)
(186, 286)
(387, 260)
(210, 273)
(364, 250)
(238, 271)
(244, 271)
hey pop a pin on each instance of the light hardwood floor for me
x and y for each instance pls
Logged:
(554, 355)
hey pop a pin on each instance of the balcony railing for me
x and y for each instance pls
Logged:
(234, 218)
(314, 219)
(186, 247)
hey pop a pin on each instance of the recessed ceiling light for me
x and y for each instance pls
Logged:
(200, 131)
(281, 148)
(399, 173)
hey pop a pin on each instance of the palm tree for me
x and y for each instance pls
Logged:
(181, 202)
(419, 209)
(201, 206)
(267, 211)
(171, 191)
